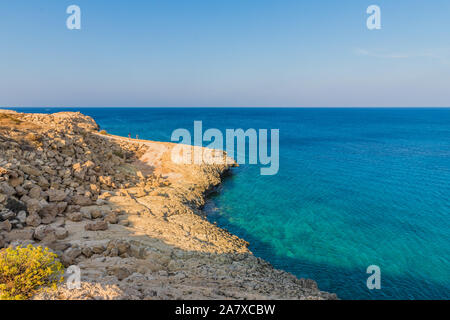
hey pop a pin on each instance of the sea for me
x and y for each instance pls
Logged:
(356, 187)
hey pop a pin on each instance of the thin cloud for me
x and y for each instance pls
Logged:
(441, 55)
(364, 52)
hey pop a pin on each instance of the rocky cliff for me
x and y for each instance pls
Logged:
(123, 212)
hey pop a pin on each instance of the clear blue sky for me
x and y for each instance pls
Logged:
(241, 53)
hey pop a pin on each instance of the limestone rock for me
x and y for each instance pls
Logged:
(61, 233)
(56, 195)
(22, 216)
(43, 231)
(87, 252)
(96, 214)
(98, 249)
(97, 226)
(33, 220)
(30, 170)
(7, 189)
(35, 192)
(69, 256)
(119, 272)
(111, 218)
(25, 234)
(7, 215)
(15, 182)
(81, 200)
(75, 216)
(33, 206)
(5, 226)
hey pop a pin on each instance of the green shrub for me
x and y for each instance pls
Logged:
(24, 271)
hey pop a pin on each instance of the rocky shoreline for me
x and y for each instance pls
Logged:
(123, 212)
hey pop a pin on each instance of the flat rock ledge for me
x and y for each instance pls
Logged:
(125, 214)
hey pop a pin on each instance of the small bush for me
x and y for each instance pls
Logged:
(103, 132)
(24, 271)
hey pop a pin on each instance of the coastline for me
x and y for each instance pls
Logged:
(128, 216)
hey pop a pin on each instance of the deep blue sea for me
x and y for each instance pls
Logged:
(356, 187)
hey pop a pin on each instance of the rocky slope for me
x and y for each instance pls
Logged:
(127, 215)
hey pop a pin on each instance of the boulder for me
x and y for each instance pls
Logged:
(24, 234)
(35, 192)
(20, 191)
(43, 231)
(69, 256)
(111, 218)
(15, 182)
(49, 240)
(97, 226)
(43, 183)
(7, 215)
(54, 209)
(56, 195)
(119, 272)
(87, 252)
(81, 200)
(33, 220)
(122, 246)
(96, 214)
(75, 216)
(30, 170)
(33, 206)
(61, 233)
(22, 216)
(47, 219)
(98, 249)
(7, 189)
(5, 226)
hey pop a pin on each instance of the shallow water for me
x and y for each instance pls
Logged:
(356, 187)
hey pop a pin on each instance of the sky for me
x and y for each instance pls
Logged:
(233, 53)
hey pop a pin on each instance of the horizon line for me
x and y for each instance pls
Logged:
(226, 107)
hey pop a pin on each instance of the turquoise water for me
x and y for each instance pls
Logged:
(356, 187)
